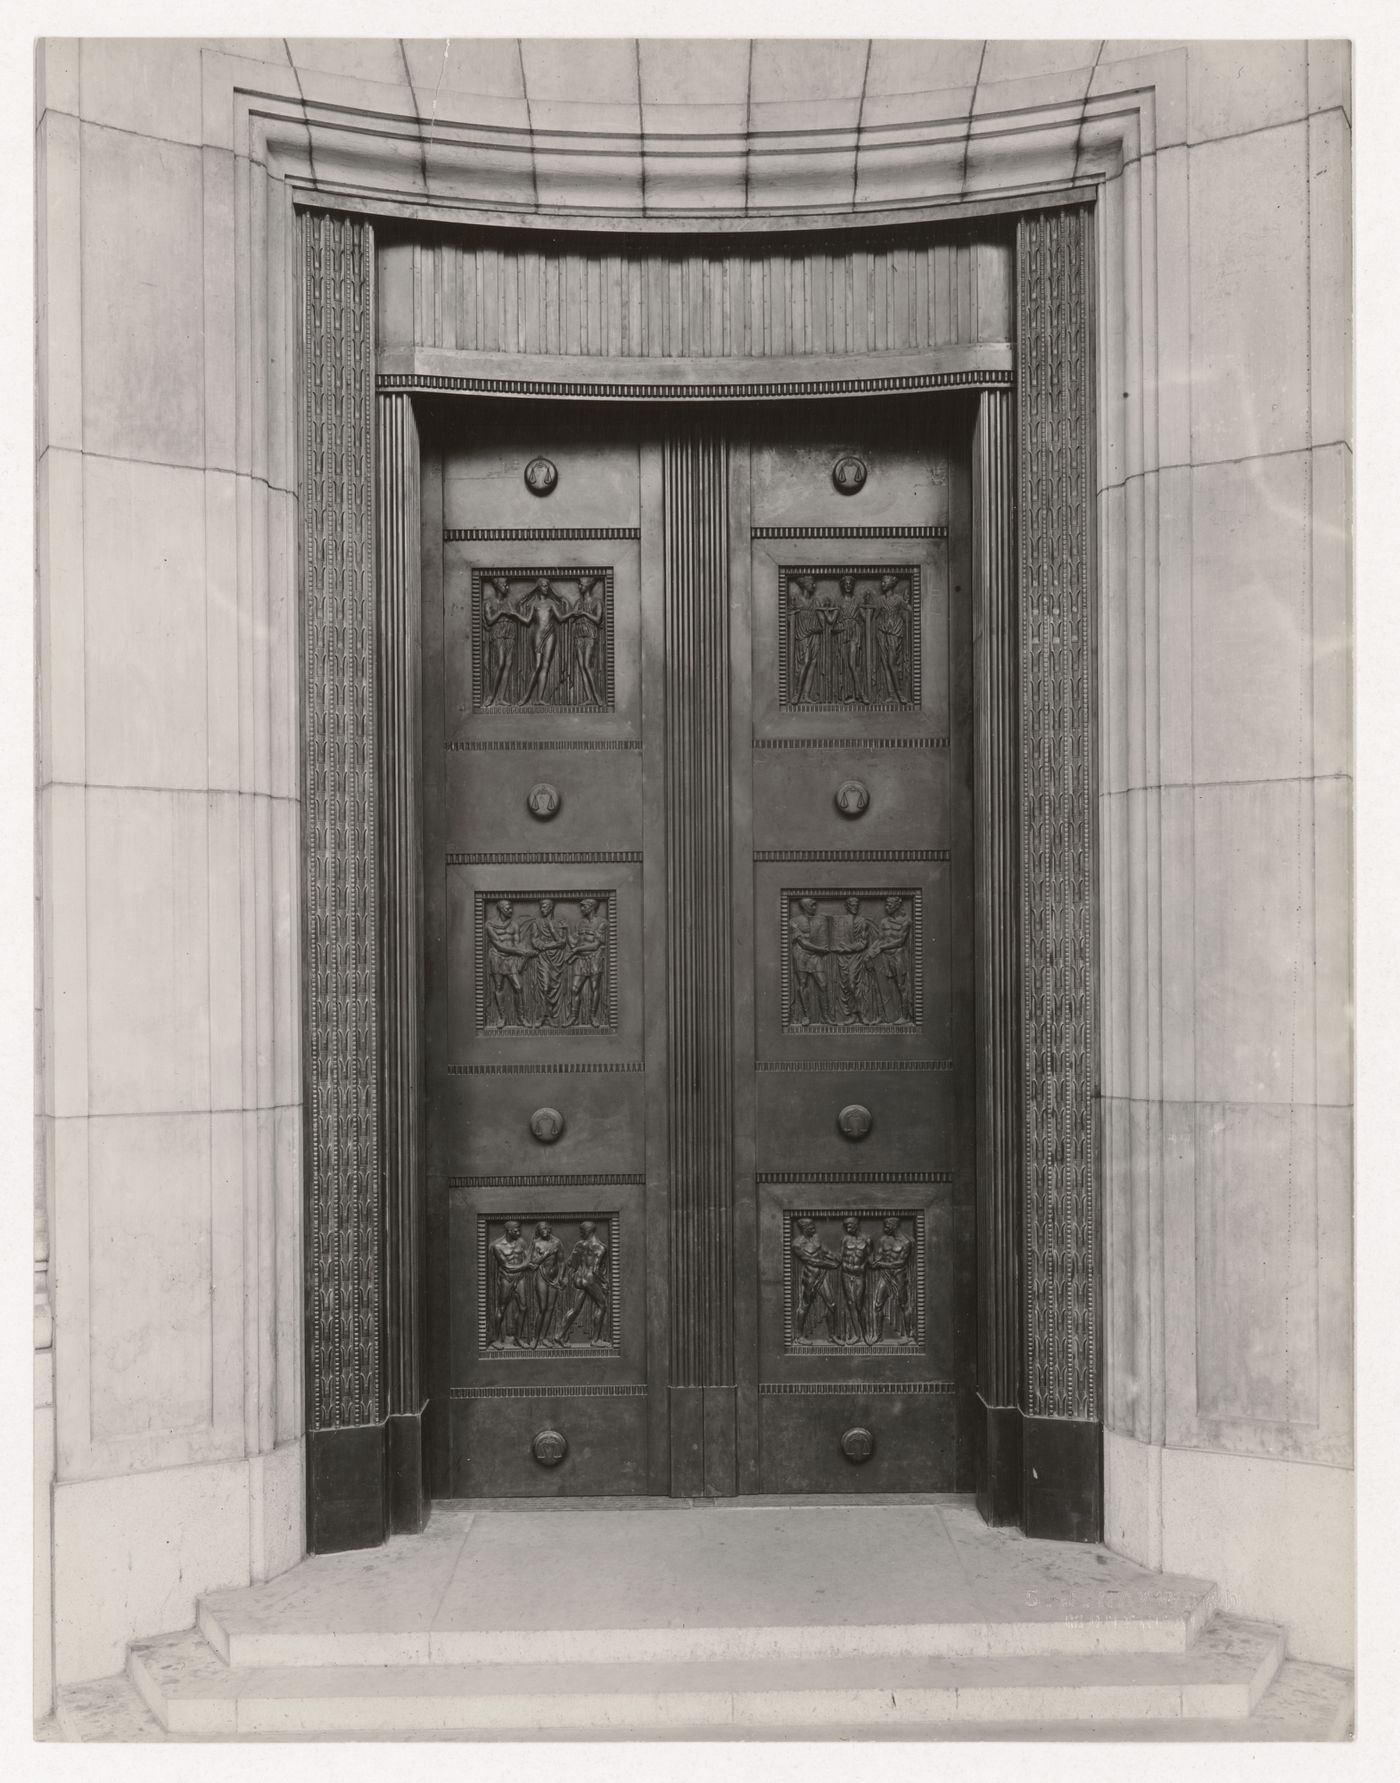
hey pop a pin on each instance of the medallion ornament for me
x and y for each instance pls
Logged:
(848, 475)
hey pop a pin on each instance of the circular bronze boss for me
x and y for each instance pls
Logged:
(855, 1121)
(543, 801)
(858, 1444)
(547, 1125)
(549, 1447)
(540, 476)
(848, 474)
(852, 798)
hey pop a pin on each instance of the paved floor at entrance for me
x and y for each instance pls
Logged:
(779, 1618)
(726, 1579)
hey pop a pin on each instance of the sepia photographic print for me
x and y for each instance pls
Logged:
(694, 828)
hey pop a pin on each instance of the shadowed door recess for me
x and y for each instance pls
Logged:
(698, 902)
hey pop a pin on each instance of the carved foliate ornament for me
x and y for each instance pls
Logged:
(1055, 505)
(341, 814)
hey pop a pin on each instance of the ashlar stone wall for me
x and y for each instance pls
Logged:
(168, 1398)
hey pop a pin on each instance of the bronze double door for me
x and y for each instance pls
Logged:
(699, 948)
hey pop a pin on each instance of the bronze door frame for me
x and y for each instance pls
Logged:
(1040, 1455)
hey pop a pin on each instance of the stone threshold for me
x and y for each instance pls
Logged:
(792, 1618)
(1304, 1704)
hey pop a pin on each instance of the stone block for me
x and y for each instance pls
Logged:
(1247, 85)
(1175, 742)
(63, 951)
(808, 71)
(921, 66)
(62, 735)
(144, 585)
(148, 951)
(1176, 901)
(283, 950)
(57, 62)
(1330, 296)
(142, 298)
(1277, 1536)
(1116, 996)
(587, 72)
(1123, 68)
(1249, 295)
(150, 1275)
(284, 691)
(1132, 1471)
(463, 65)
(1329, 74)
(221, 296)
(999, 150)
(58, 409)
(1125, 1303)
(1254, 942)
(225, 693)
(1256, 1351)
(898, 118)
(672, 181)
(149, 85)
(231, 888)
(1120, 653)
(1173, 310)
(1010, 60)
(1250, 622)
(358, 58)
(277, 1504)
(699, 74)
(1334, 892)
(564, 181)
(928, 162)
(1336, 1250)
(781, 180)
(133, 1553)
(287, 1265)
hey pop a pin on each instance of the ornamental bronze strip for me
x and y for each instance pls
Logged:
(340, 794)
(849, 532)
(1055, 352)
(454, 535)
(622, 391)
(695, 503)
(852, 1390)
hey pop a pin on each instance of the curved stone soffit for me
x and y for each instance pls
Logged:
(361, 157)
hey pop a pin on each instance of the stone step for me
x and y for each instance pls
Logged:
(1001, 1638)
(193, 1692)
(798, 1581)
(1305, 1703)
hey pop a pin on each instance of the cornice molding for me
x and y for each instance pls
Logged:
(349, 143)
